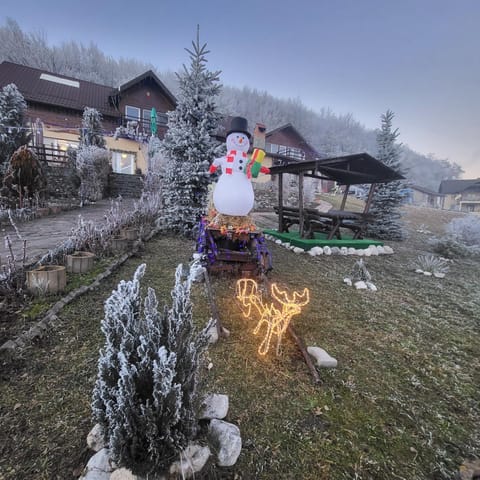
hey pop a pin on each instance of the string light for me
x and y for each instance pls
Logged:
(276, 317)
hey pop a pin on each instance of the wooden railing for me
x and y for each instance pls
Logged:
(51, 156)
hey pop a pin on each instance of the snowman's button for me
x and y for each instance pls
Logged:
(241, 161)
(240, 168)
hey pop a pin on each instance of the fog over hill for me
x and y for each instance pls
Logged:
(331, 134)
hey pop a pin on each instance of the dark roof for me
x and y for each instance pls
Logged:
(457, 186)
(347, 170)
(35, 89)
(425, 190)
(289, 126)
(146, 75)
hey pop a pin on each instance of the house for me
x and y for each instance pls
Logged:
(56, 104)
(423, 197)
(463, 195)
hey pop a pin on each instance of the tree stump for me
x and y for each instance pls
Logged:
(47, 279)
(80, 262)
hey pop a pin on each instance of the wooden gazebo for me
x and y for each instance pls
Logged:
(356, 169)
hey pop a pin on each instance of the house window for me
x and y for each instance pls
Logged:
(123, 162)
(132, 113)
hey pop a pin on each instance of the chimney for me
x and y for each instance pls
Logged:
(259, 136)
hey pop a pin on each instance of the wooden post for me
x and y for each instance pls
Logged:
(344, 199)
(300, 204)
(369, 199)
(301, 345)
(213, 307)
(280, 203)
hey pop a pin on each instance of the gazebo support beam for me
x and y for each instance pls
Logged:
(280, 202)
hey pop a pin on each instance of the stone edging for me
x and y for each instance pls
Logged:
(50, 319)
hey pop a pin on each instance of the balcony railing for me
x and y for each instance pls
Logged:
(51, 156)
(132, 127)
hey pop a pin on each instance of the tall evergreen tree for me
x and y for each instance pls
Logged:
(387, 200)
(188, 144)
(91, 133)
(13, 133)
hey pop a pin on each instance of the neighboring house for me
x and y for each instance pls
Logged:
(56, 103)
(463, 195)
(423, 197)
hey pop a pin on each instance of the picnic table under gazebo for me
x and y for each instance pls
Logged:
(347, 170)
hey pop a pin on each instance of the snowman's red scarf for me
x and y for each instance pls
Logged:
(230, 159)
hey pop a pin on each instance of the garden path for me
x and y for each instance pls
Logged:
(45, 233)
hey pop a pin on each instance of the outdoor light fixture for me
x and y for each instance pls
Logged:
(276, 316)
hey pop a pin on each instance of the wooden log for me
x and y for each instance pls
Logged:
(213, 307)
(301, 345)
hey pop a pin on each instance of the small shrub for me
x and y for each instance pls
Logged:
(360, 272)
(93, 165)
(145, 396)
(431, 263)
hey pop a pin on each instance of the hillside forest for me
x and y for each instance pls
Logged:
(330, 133)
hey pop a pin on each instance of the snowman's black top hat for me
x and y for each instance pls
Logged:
(240, 125)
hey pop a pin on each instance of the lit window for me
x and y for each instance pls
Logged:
(123, 162)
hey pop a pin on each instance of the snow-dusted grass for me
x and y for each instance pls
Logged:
(403, 402)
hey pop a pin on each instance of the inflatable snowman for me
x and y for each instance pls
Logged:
(233, 193)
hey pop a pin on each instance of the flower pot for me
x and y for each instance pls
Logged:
(47, 279)
(42, 212)
(119, 244)
(80, 262)
(130, 234)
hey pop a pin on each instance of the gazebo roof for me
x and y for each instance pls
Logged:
(353, 169)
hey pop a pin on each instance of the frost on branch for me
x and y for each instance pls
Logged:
(145, 396)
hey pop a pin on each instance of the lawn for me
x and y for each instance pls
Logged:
(403, 402)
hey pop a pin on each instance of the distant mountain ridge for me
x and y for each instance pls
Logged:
(331, 134)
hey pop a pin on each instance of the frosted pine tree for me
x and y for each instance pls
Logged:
(387, 200)
(13, 133)
(188, 144)
(145, 396)
(91, 133)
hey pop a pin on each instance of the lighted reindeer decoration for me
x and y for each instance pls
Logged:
(276, 317)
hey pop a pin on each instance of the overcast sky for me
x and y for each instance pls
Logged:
(419, 58)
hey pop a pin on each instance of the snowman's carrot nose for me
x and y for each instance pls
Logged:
(240, 140)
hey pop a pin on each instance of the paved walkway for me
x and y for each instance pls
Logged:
(45, 233)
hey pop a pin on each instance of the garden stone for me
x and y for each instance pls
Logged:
(373, 249)
(192, 460)
(278, 242)
(427, 274)
(298, 250)
(123, 474)
(344, 251)
(371, 286)
(360, 252)
(367, 252)
(318, 250)
(418, 270)
(212, 333)
(327, 250)
(388, 250)
(347, 281)
(98, 467)
(335, 251)
(438, 275)
(227, 437)
(214, 406)
(312, 252)
(360, 285)
(351, 251)
(322, 358)
(380, 249)
(95, 439)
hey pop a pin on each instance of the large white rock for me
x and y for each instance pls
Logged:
(227, 437)
(360, 252)
(344, 251)
(438, 274)
(373, 249)
(98, 467)
(335, 251)
(380, 249)
(360, 285)
(123, 474)
(351, 251)
(322, 358)
(95, 439)
(327, 250)
(388, 250)
(371, 286)
(418, 270)
(367, 252)
(214, 406)
(318, 250)
(192, 460)
(347, 281)
(278, 242)
(298, 250)
(212, 333)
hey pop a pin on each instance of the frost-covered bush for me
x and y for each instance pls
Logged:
(145, 396)
(93, 165)
(360, 272)
(465, 229)
(91, 133)
(462, 238)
